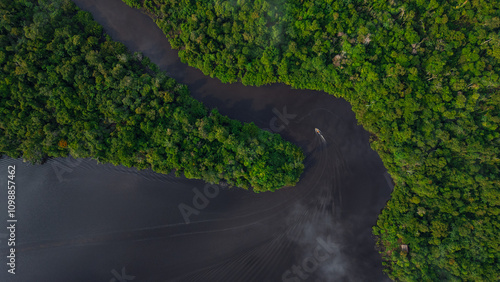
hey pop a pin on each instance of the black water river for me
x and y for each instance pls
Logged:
(83, 221)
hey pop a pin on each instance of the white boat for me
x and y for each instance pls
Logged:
(320, 135)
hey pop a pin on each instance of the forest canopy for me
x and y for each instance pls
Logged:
(421, 76)
(67, 89)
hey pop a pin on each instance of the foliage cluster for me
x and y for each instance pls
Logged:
(67, 88)
(422, 76)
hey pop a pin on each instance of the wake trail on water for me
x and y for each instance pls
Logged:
(308, 220)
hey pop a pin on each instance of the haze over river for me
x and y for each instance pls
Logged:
(83, 221)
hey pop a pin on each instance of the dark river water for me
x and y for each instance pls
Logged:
(78, 220)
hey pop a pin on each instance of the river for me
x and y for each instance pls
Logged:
(78, 220)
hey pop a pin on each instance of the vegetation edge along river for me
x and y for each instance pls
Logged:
(421, 76)
(67, 88)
